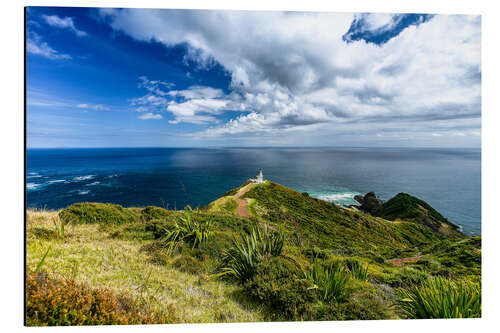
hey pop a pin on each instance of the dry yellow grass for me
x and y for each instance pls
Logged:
(89, 254)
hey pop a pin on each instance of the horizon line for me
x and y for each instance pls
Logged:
(215, 147)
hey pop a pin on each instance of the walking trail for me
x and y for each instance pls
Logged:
(242, 203)
(399, 262)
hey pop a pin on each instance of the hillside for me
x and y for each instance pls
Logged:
(213, 265)
(406, 207)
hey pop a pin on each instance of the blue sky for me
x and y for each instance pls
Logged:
(142, 77)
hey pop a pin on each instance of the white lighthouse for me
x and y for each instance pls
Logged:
(260, 178)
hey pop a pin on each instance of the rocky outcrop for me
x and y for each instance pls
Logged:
(409, 208)
(369, 203)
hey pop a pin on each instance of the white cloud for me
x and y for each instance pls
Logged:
(97, 107)
(373, 23)
(293, 72)
(198, 92)
(150, 115)
(63, 23)
(196, 105)
(376, 21)
(155, 87)
(35, 45)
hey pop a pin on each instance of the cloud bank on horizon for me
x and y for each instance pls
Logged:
(297, 78)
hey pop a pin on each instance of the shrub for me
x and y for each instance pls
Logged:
(330, 282)
(277, 285)
(62, 302)
(152, 213)
(249, 249)
(160, 227)
(158, 258)
(88, 212)
(363, 306)
(358, 270)
(441, 298)
(315, 252)
(188, 264)
(193, 232)
(230, 205)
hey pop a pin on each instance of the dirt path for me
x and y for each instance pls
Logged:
(242, 207)
(242, 203)
(399, 262)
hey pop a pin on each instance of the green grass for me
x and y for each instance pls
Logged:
(441, 298)
(358, 270)
(249, 250)
(228, 268)
(89, 254)
(326, 225)
(330, 281)
(187, 230)
(88, 212)
(406, 207)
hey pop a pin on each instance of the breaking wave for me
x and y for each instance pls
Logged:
(56, 181)
(339, 198)
(81, 178)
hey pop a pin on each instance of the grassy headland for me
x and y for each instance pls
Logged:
(295, 258)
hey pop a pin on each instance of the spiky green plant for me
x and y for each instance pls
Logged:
(441, 298)
(358, 270)
(249, 249)
(330, 281)
(40, 263)
(59, 226)
(189, 231)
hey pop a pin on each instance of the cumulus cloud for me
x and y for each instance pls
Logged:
(293, 71)
(63, 23)
(150, 115)
(35, 45)
(196, 104)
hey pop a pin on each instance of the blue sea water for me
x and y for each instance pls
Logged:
(448, 179)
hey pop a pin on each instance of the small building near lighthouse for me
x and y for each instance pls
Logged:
(259, 179)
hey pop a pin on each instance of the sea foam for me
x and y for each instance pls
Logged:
(81, 178)
(32, 186)
(56, 181)
(340, 198)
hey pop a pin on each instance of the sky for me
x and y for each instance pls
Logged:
(204, 78)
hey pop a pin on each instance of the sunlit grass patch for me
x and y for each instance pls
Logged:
(90, 255)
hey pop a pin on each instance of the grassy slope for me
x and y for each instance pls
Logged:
(326, 225)
(113, 247)
(406, 207)
(228, 204)
(89, 253)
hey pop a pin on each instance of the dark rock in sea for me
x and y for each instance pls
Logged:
(369, 203)
(359, 198)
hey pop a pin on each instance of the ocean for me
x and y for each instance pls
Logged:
(448, 179)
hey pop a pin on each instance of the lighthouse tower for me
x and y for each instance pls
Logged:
(260, 178)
